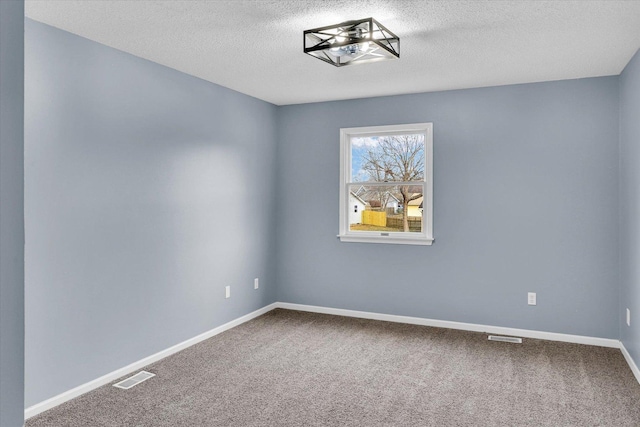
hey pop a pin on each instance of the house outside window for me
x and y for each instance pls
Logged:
(387, 171)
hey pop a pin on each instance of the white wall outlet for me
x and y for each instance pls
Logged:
(227, 291)
(628, 317)
(531, 298)
(256, 283)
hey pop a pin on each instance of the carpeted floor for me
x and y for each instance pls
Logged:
(289, 368)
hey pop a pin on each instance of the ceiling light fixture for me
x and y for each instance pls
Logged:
(362, 40)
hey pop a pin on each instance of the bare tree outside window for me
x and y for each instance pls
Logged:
(397, 158)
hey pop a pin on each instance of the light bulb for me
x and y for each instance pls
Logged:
(351, 49)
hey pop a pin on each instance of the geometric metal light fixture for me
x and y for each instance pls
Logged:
(352, 42)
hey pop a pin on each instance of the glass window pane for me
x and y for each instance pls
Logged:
(388, 158)
(385, 208)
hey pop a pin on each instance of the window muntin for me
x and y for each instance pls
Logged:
(386, 184)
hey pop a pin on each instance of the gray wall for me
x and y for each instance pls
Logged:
(630, 206)
(525, 199)
(146, 192)
(11, 213)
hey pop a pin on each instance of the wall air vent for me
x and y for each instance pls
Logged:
(134, 380)
(505, 339)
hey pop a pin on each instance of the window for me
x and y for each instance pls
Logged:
(386, 190)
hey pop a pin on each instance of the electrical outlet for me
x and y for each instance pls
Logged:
(531, 298)
(256, 283)
(628, 317)
(227, 291)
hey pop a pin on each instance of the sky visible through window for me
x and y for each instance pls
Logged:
(360, 146)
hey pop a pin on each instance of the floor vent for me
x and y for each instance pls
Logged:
(505, 339)
(134, 380)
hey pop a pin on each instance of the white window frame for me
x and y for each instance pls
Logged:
(402, 238)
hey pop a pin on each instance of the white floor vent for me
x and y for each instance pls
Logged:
(505, 339)
(134, 380)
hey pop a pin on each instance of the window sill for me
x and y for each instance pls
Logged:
(422, 241)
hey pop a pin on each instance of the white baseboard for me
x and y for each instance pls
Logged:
(105, 379)
(499, 330)
(630, 361)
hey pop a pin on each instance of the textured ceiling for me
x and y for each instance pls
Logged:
(255, 47)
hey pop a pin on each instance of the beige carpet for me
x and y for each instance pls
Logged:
(289, 368)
